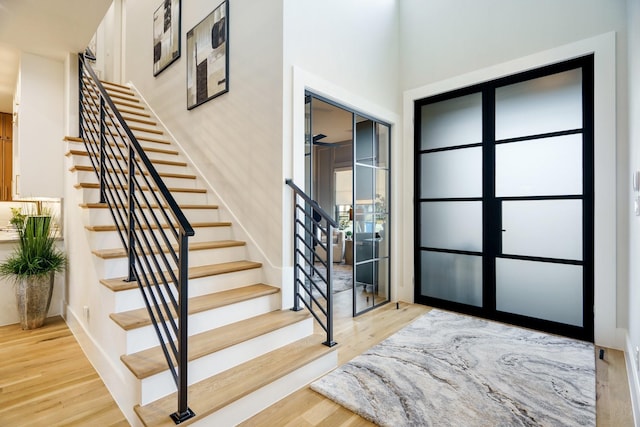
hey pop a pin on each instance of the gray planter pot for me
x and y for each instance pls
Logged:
(33, 296)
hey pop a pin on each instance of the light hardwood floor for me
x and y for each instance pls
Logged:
(45, 380)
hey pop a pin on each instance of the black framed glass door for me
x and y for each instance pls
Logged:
(504, 190)
(341, 142)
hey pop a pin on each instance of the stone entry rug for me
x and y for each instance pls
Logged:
(446, 369)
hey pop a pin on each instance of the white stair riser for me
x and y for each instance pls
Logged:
(131, 299)
(84, 161)
(102, 216)
(173, 155)
(90, 176)
(162, 384)
(253, 403)
(92, 195)
(110, 239)
(142, 338)
(116, 267)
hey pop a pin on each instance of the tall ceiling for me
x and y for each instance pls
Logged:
(43, 27)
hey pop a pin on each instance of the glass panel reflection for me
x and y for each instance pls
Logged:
(363, 291)
(365, 141)
(456, 121)
(538, 289)
(455, 173)
(382, 287)
(547, 104)
(452, 277)
(382, 157)
(543, 228)
(540, 167)
(451, 225)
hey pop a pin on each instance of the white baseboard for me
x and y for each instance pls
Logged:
(634, 381)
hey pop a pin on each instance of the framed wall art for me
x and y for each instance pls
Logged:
(207, 57)
(166, 35)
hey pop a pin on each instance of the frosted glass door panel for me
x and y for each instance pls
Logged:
(455, 173)
(541, 290)
(540, 167)
(452, 277)
(451, 225)
(547, 104)
(543, 228)
(457, 121)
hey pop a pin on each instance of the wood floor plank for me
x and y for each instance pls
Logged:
(45, 380)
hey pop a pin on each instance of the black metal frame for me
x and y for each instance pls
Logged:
(152, 228)
(492, 210)
(311, 291)
(309, 97)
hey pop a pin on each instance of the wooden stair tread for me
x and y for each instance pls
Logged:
(154, 161)
(149, 362)
(138, 128)
(95, 185)
(133, 319)
(118, 85)
(145, 148)
(137, 113)
(149, 139)
(84, 168)
(214, 393)
(99, 228)
(182, 206)
(141, 121)
(119, 284)
(194, 246)
(114, 94)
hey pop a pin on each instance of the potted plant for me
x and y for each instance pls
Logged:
(32, 267)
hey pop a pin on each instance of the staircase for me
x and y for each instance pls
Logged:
(245, 353)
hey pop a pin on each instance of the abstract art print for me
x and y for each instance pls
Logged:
(166, 35)
(207, 59)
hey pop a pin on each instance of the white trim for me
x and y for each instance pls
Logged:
(604, 49)
(634, 381)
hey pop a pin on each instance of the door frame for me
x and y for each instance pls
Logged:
(491, 204)
(310, 95)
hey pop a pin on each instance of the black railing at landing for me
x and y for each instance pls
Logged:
(152, 228)
(313, 259)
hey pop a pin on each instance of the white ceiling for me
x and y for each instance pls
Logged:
(43, 27)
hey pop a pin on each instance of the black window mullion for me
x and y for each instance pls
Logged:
(490, 207)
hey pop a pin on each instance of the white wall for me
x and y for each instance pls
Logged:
(235, 140)
(633, 338)
(447, 45)
(346, 51)
(40, 127)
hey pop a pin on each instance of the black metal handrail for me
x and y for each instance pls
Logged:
(313, 286)
(152, 228)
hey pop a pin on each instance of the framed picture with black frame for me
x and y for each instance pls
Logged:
(166, 35)
(207, 57)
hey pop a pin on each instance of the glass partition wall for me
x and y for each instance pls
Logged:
(347, 172)
(504, 185)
